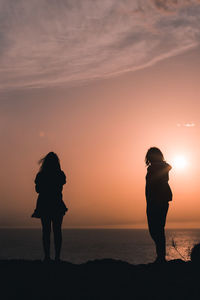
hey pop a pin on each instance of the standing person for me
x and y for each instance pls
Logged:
(158, 194)
(50, 207)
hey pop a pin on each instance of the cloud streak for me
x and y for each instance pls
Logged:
(49, 43)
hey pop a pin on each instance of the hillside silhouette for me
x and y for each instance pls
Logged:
(99, 279)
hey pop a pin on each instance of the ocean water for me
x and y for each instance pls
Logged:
(80, 245)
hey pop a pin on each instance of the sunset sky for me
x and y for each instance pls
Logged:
(99, 82)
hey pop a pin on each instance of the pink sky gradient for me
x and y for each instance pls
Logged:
(146, 58)
(57, 43)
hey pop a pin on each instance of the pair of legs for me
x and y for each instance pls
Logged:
(156, 216)
(56, 223)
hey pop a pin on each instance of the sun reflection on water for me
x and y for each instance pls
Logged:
(180, 243)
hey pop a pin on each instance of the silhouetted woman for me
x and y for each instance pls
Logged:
(50, 207)
(158, 194)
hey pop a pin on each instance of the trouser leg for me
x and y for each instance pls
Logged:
(57, 223)
(46, 232)
(156, 222)
(160, 243)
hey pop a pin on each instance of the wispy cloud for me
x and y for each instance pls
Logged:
(44, 42)
(189, 125)
(170, 6)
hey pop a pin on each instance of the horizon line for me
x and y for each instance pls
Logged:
(102, 227)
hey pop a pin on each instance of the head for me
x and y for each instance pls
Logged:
(50, 162)
(154, 155)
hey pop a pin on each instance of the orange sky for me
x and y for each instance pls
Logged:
(101, 131)
(99, 82)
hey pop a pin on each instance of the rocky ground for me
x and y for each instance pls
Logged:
(99, 279)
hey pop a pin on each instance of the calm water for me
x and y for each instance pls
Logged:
(80, 245)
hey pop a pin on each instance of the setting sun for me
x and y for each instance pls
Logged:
(180, 162)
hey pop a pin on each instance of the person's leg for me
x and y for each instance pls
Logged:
(160, 233)
(156, 221)
(161, 243)
(152, 224)
(46, 231)
(57, 223)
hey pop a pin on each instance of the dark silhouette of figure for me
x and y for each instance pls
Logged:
(158, 194)
(50, 207)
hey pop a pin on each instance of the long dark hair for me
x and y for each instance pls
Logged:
(50, 163)
(153, 155)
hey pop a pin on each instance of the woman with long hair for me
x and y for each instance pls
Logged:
(50, 207)
(158, 194)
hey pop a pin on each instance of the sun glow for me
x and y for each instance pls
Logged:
(179, 162)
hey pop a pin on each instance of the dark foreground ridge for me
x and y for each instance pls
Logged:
(99, 279)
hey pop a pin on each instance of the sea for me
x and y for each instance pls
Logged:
(81, 245)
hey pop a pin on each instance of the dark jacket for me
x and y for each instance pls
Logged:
(49, 186)
(157, 188)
